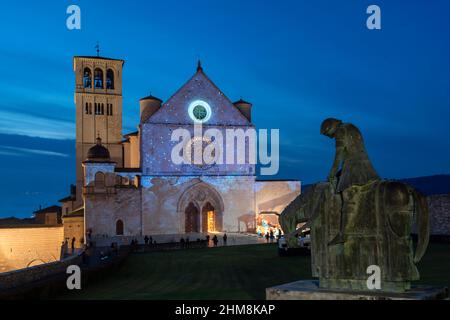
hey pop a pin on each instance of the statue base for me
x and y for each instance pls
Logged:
(310, 290)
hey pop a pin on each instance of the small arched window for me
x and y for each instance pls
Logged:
(109, 79)
(109, 109)
(87, 78)
(98, 78)
(100, 180)
(103, 109)
(119, 228)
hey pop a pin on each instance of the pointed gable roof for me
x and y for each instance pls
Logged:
(199, 87)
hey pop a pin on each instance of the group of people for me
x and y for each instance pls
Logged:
(215, 239)
(65, 246)
(270, 236)
(149, 240)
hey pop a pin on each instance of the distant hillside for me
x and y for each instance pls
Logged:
(439, 184)
(430, 185)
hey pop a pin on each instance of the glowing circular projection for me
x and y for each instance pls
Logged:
(199, 111)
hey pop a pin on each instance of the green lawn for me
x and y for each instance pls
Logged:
(241, 272)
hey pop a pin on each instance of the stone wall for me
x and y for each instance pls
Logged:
(30, 245)
(16, 278)
(159, 206)
(103, 210)
(74, 228)
(439, 206)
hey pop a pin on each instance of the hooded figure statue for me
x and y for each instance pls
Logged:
(351, 164)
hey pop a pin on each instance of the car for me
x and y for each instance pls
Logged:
(303, 248)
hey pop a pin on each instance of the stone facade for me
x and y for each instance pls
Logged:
(98, 99)
(152, 195)
(74, 229)
(159, 205)
(439, 206)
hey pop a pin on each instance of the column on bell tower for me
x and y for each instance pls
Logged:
(98, 100)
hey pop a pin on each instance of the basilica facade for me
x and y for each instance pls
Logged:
(129, 186)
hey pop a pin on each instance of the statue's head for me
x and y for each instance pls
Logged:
(329, 127)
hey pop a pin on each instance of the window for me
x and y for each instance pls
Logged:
(98, 78)
(119, 228)
(109, 109)
(109, 79)
(199, 111)
(87, 78)
(88, 108)
(99, 108)
(99, 180)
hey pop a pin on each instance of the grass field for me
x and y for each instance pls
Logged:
(240, 272)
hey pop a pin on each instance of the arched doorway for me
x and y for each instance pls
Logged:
(192, 216)
(202, 198)
(119, 228)
(211, 219)
(208, 218)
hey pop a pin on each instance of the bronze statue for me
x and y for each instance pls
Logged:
(358, 220)
(351, 164)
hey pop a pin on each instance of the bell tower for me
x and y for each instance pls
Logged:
(98, 100)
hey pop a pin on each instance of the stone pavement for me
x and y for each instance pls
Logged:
(233, 239)
(237, 239)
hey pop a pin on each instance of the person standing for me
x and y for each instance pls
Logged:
(225, 237)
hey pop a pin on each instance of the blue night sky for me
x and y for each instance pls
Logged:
(298, 62)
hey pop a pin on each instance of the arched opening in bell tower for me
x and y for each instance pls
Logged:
(87, 78)
(110, 79)
(98, 78)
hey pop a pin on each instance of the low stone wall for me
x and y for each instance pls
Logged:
(17, 278)
(439, 206)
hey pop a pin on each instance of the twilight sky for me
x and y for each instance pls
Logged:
(297, 61)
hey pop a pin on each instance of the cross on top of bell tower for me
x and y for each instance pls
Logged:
(97, 47)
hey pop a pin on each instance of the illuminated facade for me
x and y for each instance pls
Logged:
(132, 188)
